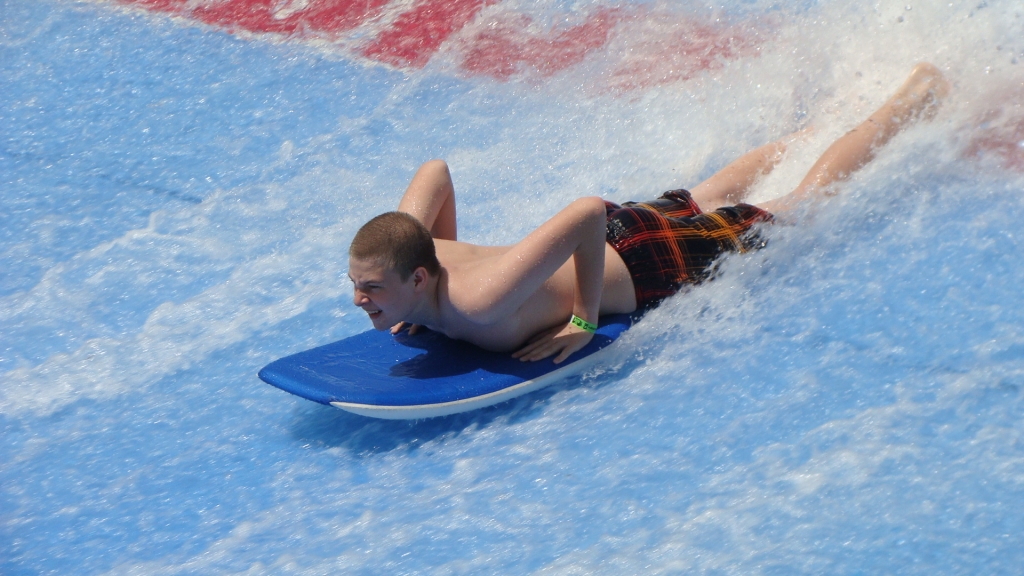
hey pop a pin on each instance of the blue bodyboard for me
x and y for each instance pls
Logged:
(423, 375)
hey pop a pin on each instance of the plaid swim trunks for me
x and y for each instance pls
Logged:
(668, 243)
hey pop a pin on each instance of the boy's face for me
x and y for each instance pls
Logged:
(380, 292)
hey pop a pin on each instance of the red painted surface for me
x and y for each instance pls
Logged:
(323, 16)
(1003, 145)
(502, 49)
(417, 34)
(649, 48)
(997, 133)
(677, 51)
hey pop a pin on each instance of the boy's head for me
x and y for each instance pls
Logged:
(397, 241)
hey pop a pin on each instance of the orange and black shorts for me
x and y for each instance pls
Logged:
(668, 243)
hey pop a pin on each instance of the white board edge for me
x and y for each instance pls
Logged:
(416, 411)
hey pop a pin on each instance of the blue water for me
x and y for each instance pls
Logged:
(177, 206)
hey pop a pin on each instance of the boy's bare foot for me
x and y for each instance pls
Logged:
(921, 93)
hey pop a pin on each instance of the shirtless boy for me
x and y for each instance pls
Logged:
(541, 296)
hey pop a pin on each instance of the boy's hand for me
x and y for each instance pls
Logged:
(413, 328)
(564, 339)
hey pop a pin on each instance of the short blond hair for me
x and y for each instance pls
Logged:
(398, 241)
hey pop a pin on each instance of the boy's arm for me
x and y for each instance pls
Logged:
(430, 198)
(578, 231)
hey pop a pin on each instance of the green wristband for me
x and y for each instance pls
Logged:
(581, 323)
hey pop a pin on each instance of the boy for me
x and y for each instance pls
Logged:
(543, 295)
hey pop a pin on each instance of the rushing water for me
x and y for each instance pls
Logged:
(179, 193)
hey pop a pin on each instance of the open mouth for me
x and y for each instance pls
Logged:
(373, 313)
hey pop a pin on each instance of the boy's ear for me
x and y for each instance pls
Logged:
(420, 277)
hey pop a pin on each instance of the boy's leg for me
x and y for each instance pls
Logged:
(731, 184)
(918, 97)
